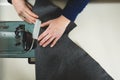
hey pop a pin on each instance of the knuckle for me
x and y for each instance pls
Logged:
(41, 36)
(45, 39)
(57, 36)
(42, 41)
(51, 34)
(20, 12)
(47, 43)
(26, 8)
(33, 19)
(45, 32)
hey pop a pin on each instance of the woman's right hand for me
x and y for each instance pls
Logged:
(24, 10)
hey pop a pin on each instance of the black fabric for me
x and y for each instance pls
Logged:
(66, 60)
(46, 10)
(9, 1)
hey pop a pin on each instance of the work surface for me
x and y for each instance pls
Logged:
(98, 32)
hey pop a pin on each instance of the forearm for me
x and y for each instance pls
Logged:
(73, 8)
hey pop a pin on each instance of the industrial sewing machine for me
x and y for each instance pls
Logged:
(13, 36)
(16, 37)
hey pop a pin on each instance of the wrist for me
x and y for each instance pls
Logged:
(64, 20)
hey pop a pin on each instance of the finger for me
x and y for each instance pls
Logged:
(45, 23)
(29, 5)
(28, 11)
(43, 35)
(23, 18)
(54, 42)
(44, 39)
(48, 41)
(28, 17)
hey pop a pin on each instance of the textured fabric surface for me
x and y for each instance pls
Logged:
(66, 60)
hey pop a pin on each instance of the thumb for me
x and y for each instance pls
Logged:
(45, 23)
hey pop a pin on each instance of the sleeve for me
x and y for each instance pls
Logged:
(73, 8)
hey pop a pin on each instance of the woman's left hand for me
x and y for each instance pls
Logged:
(53, 33)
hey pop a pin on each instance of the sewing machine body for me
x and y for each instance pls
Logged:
(10, 46)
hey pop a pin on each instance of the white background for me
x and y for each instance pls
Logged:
(98, 32)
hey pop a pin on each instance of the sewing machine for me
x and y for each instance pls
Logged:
(12, 44)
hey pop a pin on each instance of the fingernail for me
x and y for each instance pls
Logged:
(44, 46)
(41, 44)
(51, 46)
(38, 39)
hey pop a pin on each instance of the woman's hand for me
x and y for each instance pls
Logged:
(23, 9)
(53, 33)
